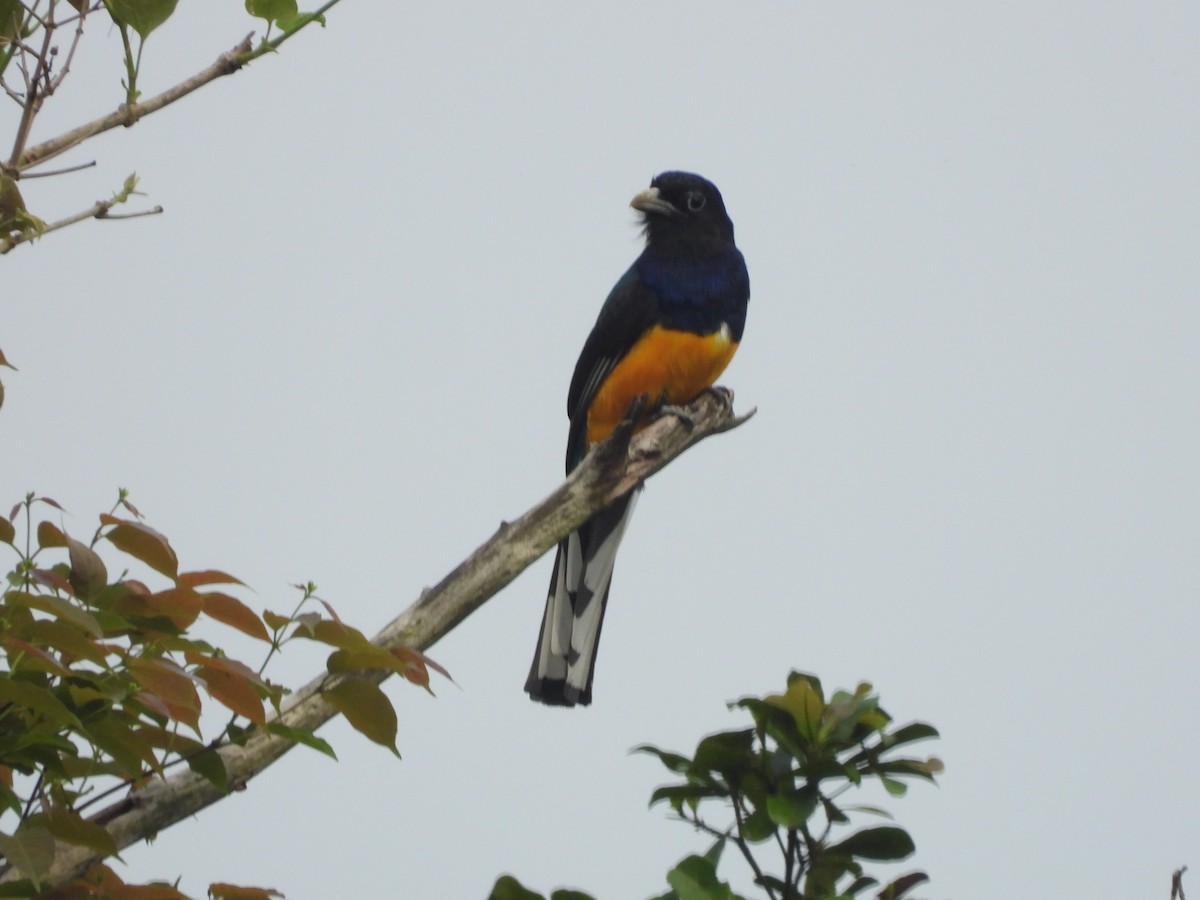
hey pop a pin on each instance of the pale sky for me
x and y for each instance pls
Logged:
(342, 356)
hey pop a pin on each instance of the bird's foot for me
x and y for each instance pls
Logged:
(679, 412)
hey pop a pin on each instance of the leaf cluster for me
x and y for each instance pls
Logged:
(782, 781)
(102, 680)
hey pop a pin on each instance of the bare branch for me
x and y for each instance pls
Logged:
(610, 471)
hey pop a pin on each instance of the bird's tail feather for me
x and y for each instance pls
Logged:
(563, 665)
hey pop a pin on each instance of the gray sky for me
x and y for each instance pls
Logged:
(342, 355)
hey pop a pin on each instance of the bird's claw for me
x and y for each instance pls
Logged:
(679, 412)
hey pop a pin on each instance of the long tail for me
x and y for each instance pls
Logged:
(565, 659)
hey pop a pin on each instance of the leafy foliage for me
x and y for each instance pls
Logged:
(103, 683)
(782, 779)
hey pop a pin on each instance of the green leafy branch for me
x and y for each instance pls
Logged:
(781, 781)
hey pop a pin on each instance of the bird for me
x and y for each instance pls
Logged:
(667, 330)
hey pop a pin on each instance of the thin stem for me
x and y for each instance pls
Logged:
(64, 171)
(33, 98)
(742, 845)
(98, 210)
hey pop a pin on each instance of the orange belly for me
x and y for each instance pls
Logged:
(671, 366)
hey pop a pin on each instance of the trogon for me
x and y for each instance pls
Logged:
(667, 330)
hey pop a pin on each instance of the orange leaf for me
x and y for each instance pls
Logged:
(171, 685)
(7, 532)
(234, 691)
(275, 621)
(206, 576)
(144, 543)
(235, 613)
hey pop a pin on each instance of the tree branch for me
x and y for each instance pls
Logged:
(610, 471)
(226, 64)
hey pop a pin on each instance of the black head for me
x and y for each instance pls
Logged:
(681, 203)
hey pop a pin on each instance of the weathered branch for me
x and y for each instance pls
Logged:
(226, 64)
(613, 469)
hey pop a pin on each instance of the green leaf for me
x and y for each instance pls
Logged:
(902, 885)
(37, 700)
(11, 14)
(885, 843)
(791, 809)
(508, 888)
(143, 16)
(673, 761)
(757, 826)
(728, 752)
(690, 793)
(30, 850)
(367, 709)
(271, 10)
(209, 765)
(695, 878)
(914, 731)
(301, 736)
(67, 825)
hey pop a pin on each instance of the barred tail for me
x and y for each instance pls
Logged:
(563, 664)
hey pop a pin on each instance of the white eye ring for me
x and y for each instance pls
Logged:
(695, 201)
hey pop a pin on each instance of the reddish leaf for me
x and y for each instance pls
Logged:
(225, 664)
(366, 708)
(49, 502)
(133, 509)
(12, 514)
(235, 613)
(36, 658)
(275, 621)
(171, 685)
(417, 655)
(7, 532)
(51, 579)
(143, 543)
(88, 574)
(5, 362)
(49, 536)
(181, 605)
(220, 891)
(206, 577)
(235, 692)
(332, 612)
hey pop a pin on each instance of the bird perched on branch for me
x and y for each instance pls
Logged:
(666, 332)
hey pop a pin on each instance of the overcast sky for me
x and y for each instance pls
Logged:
(973, 340)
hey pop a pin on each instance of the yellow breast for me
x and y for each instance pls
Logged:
(670, 366)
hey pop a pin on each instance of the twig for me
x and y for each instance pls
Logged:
(66, 66)
(51, 173)
(129, 113)
(33, 98)
(609, 472)
(98, 210)
(1177, 883)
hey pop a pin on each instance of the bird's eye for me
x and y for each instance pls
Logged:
(695, 201)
